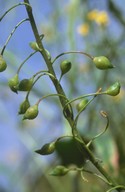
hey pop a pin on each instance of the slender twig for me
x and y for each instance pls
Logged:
(50, 95)
(70, 52)
(117, 187)
(43, 73)
(11, 34)
(26, 4)
(104, 114)
(77, 116)
(90, 172)
(81, 97)
(25, 61)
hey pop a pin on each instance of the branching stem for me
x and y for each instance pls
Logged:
(63, 99)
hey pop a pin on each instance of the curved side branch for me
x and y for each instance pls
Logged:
(70, 52)
(43, 73)
(22, 3)
(25, 61)
(104, 114)
(117, 187)
(50, 95)
(11, 34)
(81, 97)
(76, 119)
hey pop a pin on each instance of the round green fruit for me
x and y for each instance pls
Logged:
(114, 89)
(102, 62)
(31, 112)
(24, 106)
(34, 46)
(65, 66)
(13, 83)
(3, 64)
(82, 105)
(25, 84)
(71, 151)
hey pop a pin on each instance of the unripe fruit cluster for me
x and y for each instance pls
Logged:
(23, 85)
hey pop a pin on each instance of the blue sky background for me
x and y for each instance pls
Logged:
(19, 139)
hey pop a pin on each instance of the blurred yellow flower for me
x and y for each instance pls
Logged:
(83, 29)
(100, 17)
(92, 15)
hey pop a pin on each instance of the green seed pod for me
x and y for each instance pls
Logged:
(102, 62)
(71, 152)
(34, 46)
(24, 106)
(59, 171)
(81, 105)
(114, 89)
(48, 54)
(31, 112)
(65, 66)
(47, 149)
(3, 64)
(25, 84)
(13, 83)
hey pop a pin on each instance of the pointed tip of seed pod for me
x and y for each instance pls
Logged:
(19, 113)
(37, 151)
(112, 66)
(13, 89)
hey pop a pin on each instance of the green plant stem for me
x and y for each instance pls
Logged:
(97, 163)
(56, 83)
(63, 101)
